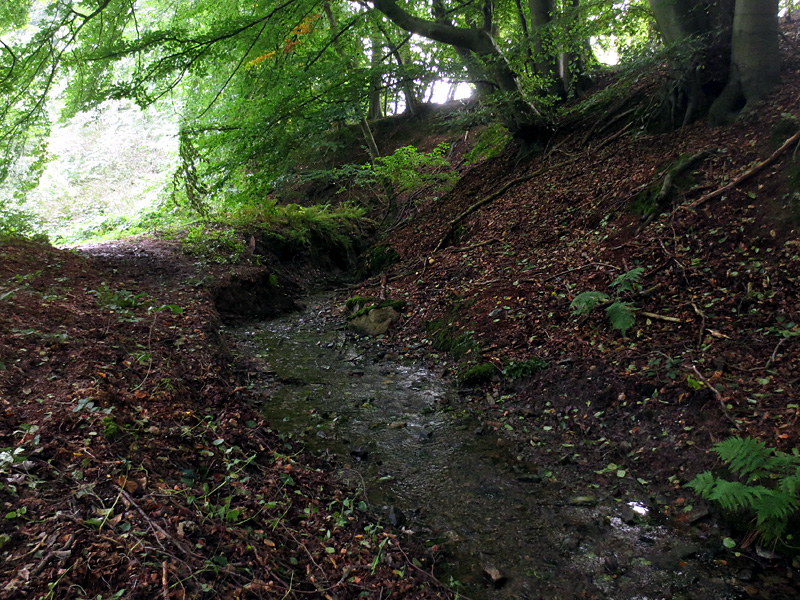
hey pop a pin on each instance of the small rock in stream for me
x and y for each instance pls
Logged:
(582, 501)
(397, 425)
(495, 575)
(396, 517)
(359, 453)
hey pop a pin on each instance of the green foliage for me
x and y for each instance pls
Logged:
(628, 282)
(621, 314)
(478, 374)
(525, 368)
(751, 460)
(586, 302)
(377, 260)
(217, 246)
(490, 142)
(123, 300)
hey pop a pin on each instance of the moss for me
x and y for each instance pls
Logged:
(356, 302)
(446, 338)
(364, 305)
(783, 130)
(478, 374)
(398, 305)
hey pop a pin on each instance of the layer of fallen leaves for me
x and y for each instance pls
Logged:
(130, 467)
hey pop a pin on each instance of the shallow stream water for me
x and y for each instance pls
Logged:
(427, 466)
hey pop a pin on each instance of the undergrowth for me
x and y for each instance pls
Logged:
(768, 486)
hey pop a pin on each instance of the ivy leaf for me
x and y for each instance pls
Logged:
(621, 316)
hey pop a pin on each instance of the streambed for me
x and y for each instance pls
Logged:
(400, 432)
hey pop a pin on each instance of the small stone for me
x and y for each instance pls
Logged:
(359, 452)
(582, 501)
(495, 575)
(745, 575)
(396, 517)
(397, 425)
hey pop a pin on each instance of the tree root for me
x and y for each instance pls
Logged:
(745, 176)
(660, 199)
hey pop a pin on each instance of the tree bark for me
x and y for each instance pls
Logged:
(755, 59)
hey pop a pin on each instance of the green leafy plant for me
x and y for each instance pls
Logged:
(620, 313)
(524, 368)
(769, 484)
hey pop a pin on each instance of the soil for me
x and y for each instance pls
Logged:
(132, 463)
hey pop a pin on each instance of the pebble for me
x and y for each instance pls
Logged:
(495, 575)
(359, 453)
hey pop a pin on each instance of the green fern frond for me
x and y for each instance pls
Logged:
(734, 496)
(703, 484)
(774, 505)
(586, 302)
(744, 456)
(621, 316)
(628, 282)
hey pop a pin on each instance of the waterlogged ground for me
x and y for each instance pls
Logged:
(497, 528)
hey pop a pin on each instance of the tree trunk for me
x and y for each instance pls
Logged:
(375, 110)
(545, 58)
(755, 59)
(372, 146)
(706, 25)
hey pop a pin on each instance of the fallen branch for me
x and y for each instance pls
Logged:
(657, 317)
(514, 182)
(747, 175)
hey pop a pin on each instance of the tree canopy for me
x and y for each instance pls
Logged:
(258, 83)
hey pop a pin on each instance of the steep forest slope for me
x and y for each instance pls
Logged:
(690, 241)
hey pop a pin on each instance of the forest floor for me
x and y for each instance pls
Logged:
(132, 464)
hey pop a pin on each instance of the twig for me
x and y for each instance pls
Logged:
(164, 581)
(719, 396)
(747, 175)
(650, 315)
(127, 497)
(774, 354)
(612, 138)
(702, 316)
(586, 266)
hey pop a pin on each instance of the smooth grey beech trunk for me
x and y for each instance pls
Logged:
(755, 58)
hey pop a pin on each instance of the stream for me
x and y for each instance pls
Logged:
(399, 432)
